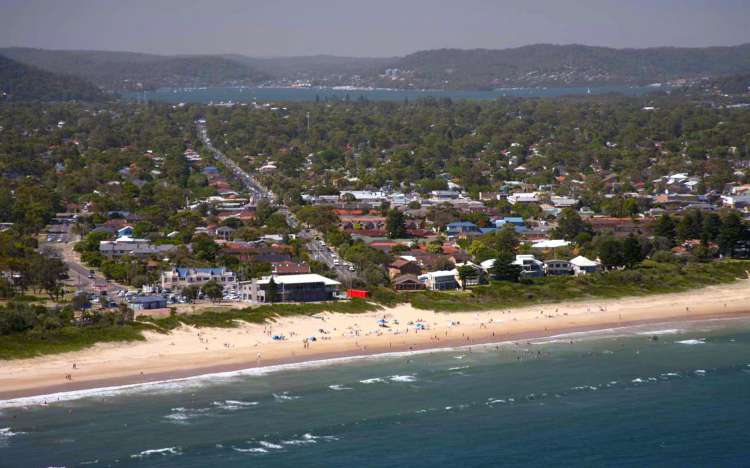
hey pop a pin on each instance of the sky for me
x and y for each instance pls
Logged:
(374, 28)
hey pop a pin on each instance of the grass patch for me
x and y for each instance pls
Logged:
(32, 344)
(225, 318)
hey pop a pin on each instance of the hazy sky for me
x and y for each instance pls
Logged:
(365, 28)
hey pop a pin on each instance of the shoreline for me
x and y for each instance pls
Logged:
(320, 360)
(189, 353)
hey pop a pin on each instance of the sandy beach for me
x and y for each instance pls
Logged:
(191, 351)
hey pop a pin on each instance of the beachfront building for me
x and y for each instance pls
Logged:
(407, 283)
(530, 266)
(475, 279)
(178, 278)
(444, 280)
(308, 287)
(584, 266)
(558, 268)
(402, 266)
(147, 302)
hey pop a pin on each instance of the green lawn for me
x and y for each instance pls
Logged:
(32, 344)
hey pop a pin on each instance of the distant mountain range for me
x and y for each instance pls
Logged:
(133, 71)
(534, 65)
(21, 82)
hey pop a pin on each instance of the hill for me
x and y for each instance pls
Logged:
(528, 66)
(20, 82)
(129, 70)
(315, 67)
(562, 65)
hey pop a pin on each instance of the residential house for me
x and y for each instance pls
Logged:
(443, 280)
(402, 266)
(477, 276)
(524, 197)
(558, 268)
(516, 221)
(563, 202)
(444, 195)
(178, 278)
(126, 231)
(530, 266)
(308, 287)
(584, 266)
(225, 233)
(462, 229)
(407, 282)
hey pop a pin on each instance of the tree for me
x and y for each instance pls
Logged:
(273, 291)
(570, 225)
(632, 251)
(504, 270)
(711, 227)
(665, 227)
(395, 224)
(190, 293)
(610, 251)
(204, 248)
(213, 290)
(504, 241)
(731, 231)
(465, 273)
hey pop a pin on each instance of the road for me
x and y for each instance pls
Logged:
(318, 251)
(256, 190)
(59, 242)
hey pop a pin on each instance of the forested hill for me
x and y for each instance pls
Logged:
(528, 66)
(129, 70)
(565, 65)
(20, 82)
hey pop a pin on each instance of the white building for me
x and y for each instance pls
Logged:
(307, 287)
(178, 278)
(523, 197)
(442, 280)
(127, 245)
(584, 266)
(365, 196)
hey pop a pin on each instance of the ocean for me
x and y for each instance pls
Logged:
(653, 395)
(245, 94)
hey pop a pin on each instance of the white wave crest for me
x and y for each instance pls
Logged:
(338, 387)
(270, 445)
(372, 381)
(250, 450)
(692, 342)
(403, 378)
(234, 405)
(280, 397)
(161, 451)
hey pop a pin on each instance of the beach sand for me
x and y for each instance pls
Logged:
(189, 351)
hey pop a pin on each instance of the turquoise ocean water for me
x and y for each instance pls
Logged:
(615, 398)
(240, 94)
